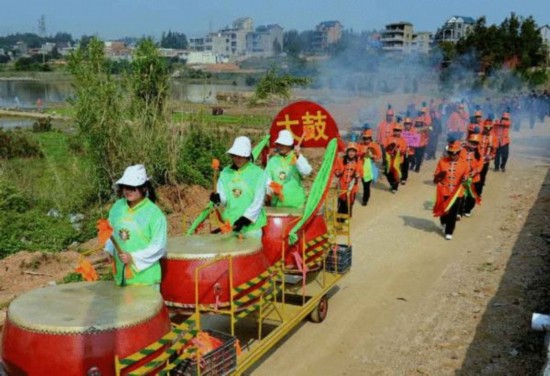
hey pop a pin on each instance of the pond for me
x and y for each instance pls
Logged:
(24, 94)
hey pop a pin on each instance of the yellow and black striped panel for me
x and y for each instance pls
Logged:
(257, 280)
(318, 239)
(168, 340)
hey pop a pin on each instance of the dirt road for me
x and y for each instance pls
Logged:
(416, 304)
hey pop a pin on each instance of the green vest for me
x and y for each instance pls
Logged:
(281, 170)
(240, 187)
(133, 229)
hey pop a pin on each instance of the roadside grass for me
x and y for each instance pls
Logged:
(246, 121)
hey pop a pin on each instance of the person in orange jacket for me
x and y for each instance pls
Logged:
(385, 127)
(471, 154)
(457, 122)
(410, 134)
(394, 150)
(349, 170)
(370, 153)
(502, 142)
(423, 129)
(449, 176)
(487, 149)
(476, 125)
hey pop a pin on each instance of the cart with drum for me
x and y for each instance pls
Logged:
(245, 293)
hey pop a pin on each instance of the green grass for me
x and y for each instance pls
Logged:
(255, 121)
(60, 180)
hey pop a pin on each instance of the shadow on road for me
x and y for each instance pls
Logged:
(420, 223)
(504, 344)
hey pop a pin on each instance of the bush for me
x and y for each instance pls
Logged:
(16, 144)
(48, 233)
(11, 200)
(42, 125)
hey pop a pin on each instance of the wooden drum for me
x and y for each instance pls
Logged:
(187, 253)
(78, 328)
(280, 221)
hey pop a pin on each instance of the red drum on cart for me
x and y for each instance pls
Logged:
(280, 222)
(78, 328)
(187, 253)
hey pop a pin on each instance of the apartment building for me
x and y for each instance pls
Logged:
(326, 34)
(265, 40)
(397, 36)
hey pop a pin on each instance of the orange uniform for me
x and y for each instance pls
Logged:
(457, 122)
(475, 164)
(487, 146)
(400, 145)
(374, 149)
(385, 130)
(455, 173)
(502, 133)
(349, 172)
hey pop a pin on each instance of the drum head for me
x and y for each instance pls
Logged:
(209, 246)
(84, 307)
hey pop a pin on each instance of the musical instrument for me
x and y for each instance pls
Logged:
(78, 328)
(187, 253)
(280, 221)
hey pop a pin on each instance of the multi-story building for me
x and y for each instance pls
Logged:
(229, 41)
(326, 34)
(397, 36)
(265, 41)
(422, 40)
(454, 28)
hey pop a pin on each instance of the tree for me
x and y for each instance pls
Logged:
(292, 43)
(173, 40)
(274, 84)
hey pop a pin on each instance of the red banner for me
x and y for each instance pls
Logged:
(309, 123)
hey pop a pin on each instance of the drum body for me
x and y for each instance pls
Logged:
(75, 328)
(241, 257)
(279, 223)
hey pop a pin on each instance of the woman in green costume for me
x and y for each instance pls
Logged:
(285, 171)
(139, 229)
(241, 190)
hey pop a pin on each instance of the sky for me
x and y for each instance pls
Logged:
(110, 19)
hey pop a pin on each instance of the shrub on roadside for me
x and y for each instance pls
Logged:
(48, 233)
(42, 125)
(16, 144)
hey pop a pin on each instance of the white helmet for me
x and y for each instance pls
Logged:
(285, 138)
(134, 176)
(242, 147)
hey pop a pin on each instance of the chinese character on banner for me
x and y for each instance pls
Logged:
(309, 123)
(314, 126)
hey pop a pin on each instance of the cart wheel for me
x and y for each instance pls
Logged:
(319, 313)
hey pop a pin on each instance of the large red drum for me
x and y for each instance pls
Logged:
(280, 221)
(187, 253)
(78, 328)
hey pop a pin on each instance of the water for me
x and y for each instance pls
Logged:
(24, 93)
(11, 123)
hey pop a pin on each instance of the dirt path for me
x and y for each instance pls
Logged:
(416, 304)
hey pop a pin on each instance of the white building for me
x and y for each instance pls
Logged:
(454, 28)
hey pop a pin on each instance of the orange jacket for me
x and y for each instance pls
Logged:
(475, 165)
(457, 122)
(385, 130)
(455, 173)
(502, 133)
(487, 147)
(400, 145)
(349, 172)
(374, 148)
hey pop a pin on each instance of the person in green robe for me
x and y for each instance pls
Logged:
(139, 228)
(241, 191)
(285, 171)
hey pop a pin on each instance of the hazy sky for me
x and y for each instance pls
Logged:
(118, 18)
